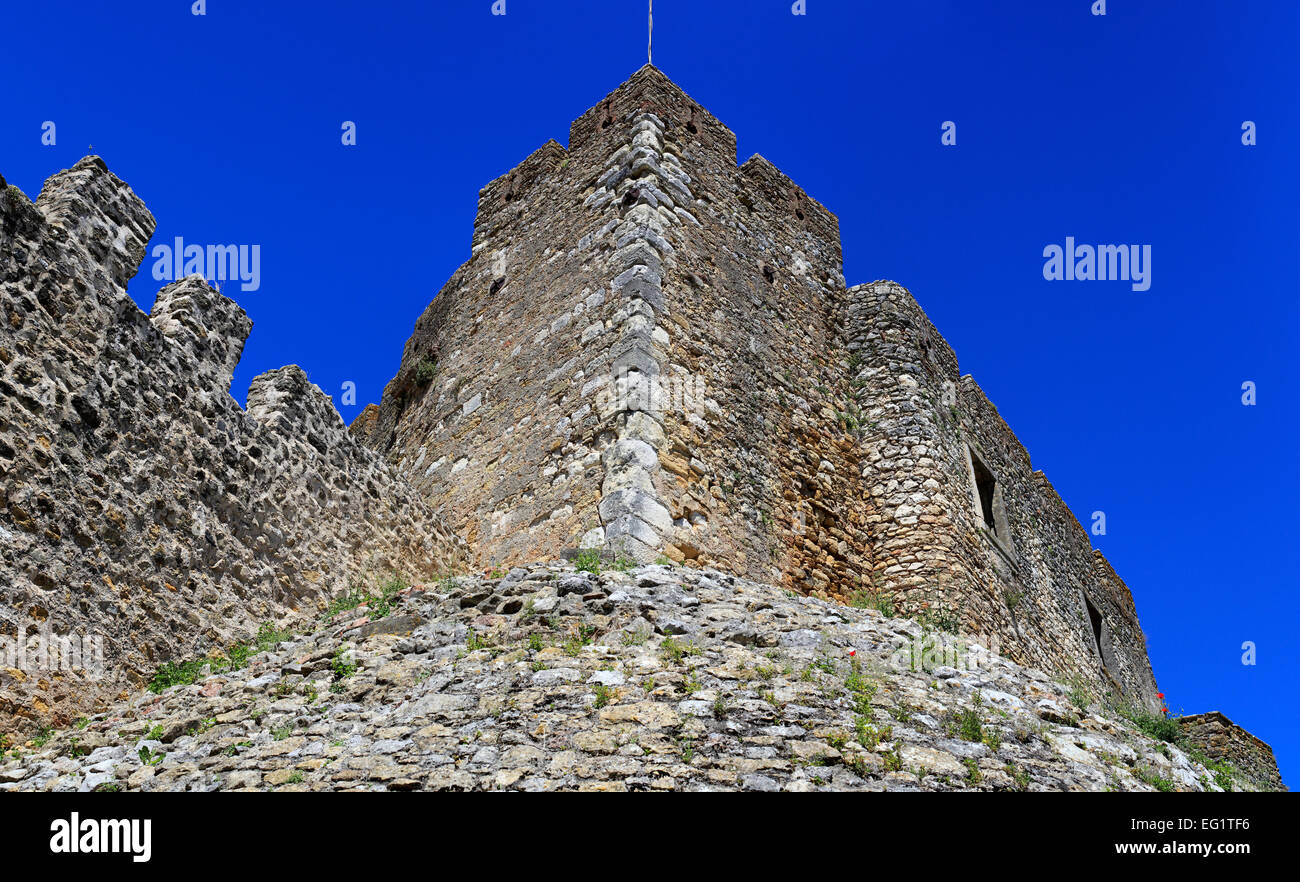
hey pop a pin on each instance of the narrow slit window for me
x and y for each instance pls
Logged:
(1094, 618)
(990, 505)
(986, 484)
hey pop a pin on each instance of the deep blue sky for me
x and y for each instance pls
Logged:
(1123, 129)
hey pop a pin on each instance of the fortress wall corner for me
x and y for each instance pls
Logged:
(811, 434)
(1251, 760)
(961, 518)
(903, 375)
(631, 315)
(650, 91)
(502, 201)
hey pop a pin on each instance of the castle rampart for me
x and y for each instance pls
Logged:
(964, 520)
(652, 353)
(138, 503)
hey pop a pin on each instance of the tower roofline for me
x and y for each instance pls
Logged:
(650, 89)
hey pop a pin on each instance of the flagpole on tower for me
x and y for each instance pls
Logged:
(650, 48)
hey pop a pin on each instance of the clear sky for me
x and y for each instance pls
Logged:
(1125, 128)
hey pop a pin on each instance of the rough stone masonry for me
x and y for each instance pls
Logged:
(651, 353)
(652, 679)
(139, 504)
(653, 350)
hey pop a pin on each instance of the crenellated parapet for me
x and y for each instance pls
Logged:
(101, 215)
(650, 353)
(802, 218)
(141, 508)
(649, 90)
(212, 328)
(502, 201)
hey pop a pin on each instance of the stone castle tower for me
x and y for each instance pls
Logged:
(653, 350)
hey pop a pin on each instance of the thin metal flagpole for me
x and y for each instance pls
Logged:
(650, 48)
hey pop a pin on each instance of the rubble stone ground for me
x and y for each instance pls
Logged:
(551, 677)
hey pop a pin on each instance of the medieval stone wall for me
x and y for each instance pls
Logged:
(138, 503)
(1222, 740)
(648, 336)
(1022, 572)
(466, 687)
(653, 350)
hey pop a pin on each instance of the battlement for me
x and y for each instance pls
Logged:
(288, 403)
(789, 204)
(102, 214)
(197, 318)
(1003, 525)
(501, 200)
(138, 502)
(696, 142)
(652, 350)
(651, 353)
(662, 263)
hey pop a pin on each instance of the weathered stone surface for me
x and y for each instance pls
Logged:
(138, 503)
(652, 353)
(594, 697)
(655, 349)
(1222, 740)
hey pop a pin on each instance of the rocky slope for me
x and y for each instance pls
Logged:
(653, 678)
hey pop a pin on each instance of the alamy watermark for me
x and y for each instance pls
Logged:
(1102, 263)
(43, 650)
(632, 390)
(216, 263)
(935, 649)
(77, 835)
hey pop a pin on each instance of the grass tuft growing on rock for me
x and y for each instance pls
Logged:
(235, 659)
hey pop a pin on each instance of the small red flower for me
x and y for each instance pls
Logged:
(853, 653)
(1160, 695)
